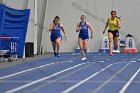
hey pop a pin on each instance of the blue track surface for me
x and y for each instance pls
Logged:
(100, 73)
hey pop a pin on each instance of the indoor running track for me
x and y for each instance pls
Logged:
(100, 73)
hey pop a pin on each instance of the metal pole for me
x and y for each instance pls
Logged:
(40, 46)
(35, 26)
(1, 1)
(25, 4)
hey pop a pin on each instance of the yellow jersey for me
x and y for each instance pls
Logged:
(112, 23)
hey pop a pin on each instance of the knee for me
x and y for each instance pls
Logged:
(57, 42)
(81, 48)
(110, 41)
(53, 46)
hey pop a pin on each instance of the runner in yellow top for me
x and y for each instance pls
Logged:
(113, 24)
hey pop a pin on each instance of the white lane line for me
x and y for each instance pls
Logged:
(53, 81)
(106, 82)
(60, 79)
(21, 72)
(66, 81)
(70, 74)
(42, 79)
(83, 81)
(129, 82)
(24, 71)
(78, 84)
(79, 54)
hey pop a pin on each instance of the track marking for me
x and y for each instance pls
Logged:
(83, 81)
(32, 82)
(56, 80)
(66, 81)
(129, 82)
(31, 69)
(42, 79)
(66, 75)
(106, 82)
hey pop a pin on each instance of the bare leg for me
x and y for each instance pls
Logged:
(115, 40)
(54, 47)
(110, 38)
(85, 44)
(80, 41)
(58, 41)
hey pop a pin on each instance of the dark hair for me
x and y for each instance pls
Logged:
(83, 16)
(118, 17)
(56, 17)
(113, 12)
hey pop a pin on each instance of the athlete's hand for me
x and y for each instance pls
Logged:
(51, 27)
(104, 32)
(91, 37)
(65, 36)
(78, 29)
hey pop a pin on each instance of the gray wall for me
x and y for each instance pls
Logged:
(30, 31)
(1, 1)
(96, 11)
(129, 10)
(41, 16)
(18, 4)
(32, 35)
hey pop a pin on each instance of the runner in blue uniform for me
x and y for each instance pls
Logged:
(56, 36)
(82, 28)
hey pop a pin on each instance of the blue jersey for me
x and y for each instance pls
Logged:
(55, 33)
(56, 30)
(83, 31)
